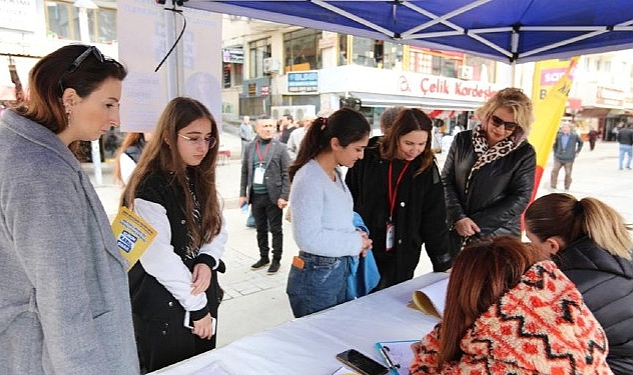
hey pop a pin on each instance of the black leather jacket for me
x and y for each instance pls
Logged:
(606, 284)
(499, 191)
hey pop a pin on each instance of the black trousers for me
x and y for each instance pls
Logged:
(267, 217)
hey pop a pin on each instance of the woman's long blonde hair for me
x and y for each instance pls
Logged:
(562, 215)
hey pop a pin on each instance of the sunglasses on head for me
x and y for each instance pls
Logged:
(92, 50)
(497, 122)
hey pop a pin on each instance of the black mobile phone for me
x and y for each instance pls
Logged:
(361, 363)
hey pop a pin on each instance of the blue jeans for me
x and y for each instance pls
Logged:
(320, 284)
(628, 150)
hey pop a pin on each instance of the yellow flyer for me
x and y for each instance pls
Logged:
(133, 235)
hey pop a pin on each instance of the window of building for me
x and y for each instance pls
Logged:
(363, 52)
(257, 52)
(301, 50)
(62, 22)
(342, 49)
(232, 75)
(392, 53)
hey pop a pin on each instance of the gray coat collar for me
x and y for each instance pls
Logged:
(40, 135)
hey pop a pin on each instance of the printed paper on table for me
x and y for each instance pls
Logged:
(133, 235)
(431, 298)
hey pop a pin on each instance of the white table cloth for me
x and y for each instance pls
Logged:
(308, 346)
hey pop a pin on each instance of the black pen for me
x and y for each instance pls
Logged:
(390, 364)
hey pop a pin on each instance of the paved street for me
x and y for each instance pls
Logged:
(255, 300)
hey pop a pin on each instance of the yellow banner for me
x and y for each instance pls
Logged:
(133, 235)
(548, 114)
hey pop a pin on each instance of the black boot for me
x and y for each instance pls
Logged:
(274, 266)
(260, 263)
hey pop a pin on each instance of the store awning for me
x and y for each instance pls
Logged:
(383, 100)
(594, 112)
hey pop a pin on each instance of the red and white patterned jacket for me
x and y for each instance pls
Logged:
(541, 326)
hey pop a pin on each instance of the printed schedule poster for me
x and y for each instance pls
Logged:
(146, 33)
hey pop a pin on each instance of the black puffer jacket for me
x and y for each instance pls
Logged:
(499, 191)
(606, 284)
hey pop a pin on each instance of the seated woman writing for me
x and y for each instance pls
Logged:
(592, 245)
(510, 312)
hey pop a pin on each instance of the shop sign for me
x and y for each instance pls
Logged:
(234, 55)
(265, 90)
(15, 12)
(303, 81)
(445, 88)
(609, 97)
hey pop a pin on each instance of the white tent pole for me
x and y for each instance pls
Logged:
(171, 64)
(84, 34)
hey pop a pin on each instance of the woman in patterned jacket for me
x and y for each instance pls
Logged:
(518, 316)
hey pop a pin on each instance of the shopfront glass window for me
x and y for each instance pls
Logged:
(342, 49)
(363, 51)
(392, 53)
(62, 20)
(301, 50)
(257, 52)
(106, 26)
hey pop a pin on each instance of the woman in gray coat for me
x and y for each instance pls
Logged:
(64, 302)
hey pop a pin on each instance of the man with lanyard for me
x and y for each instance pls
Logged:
(266, 186)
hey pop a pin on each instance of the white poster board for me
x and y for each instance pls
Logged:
(143, 42)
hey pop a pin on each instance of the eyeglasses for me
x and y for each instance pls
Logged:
(196, 141)
(497, 122)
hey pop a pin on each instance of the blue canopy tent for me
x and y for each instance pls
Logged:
(511, 31)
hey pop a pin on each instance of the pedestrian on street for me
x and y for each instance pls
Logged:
(265, 185)
(64, 299)
(297, 135)
(128, 155)
(593, 137)
(322, 212)
(625, 139)
(566, 147)
(246, 132)
(174, 285)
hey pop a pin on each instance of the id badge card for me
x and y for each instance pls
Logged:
(390, 237)
(258, 177)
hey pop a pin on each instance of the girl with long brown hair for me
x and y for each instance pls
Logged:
(175, 281)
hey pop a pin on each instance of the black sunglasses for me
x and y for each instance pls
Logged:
(497, 122)
(75, 64)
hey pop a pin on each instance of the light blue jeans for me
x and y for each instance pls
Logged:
(320, 284)
(628, 150)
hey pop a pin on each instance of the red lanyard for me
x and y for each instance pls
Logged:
(259, 155)
(393, 191)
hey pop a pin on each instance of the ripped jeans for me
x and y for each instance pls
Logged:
(320, 284)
